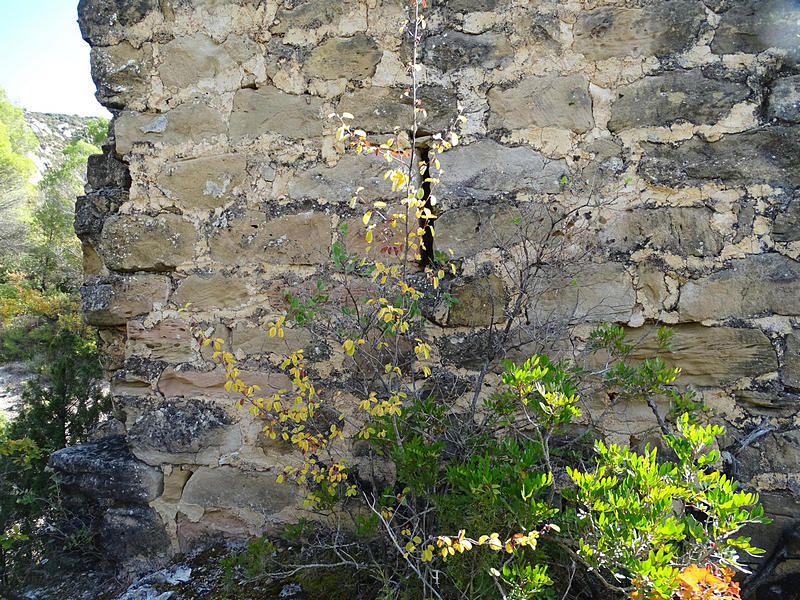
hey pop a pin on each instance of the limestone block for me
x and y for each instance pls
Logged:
(187, 383)
(255, 340)
(113, 301)
(602, 292)
(659, 29)
(453, 50)
(187, 60)
(269, 110)
(137, 377)
(299, 239)
(713, 356)
(684, 231)
(311, 15)
(674, 96)
(106, 22)
(134, 534)
(122, 74)
(169, 340)
(784, 100)
(761, 284)
(791, 360)
(485, 170)
(466, 231)
(143, 243)
(203, 183)
(193, 122)
(338, 184)
(226, 487)
(466, 6)
(106, 469)
(384, 109)
(353, 57)
(479, 303)
(756, 25)
(553, 101)
(767, 155)
(178, 431)
(214, 291)
(787, 223)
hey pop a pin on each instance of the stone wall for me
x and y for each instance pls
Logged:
(675, 122)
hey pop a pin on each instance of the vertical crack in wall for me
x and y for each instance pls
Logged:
(427, 247)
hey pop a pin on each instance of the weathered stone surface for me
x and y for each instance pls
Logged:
(479, 302)
(784, 100)
(134, 534)
(454, 50)
(269, 110)
(183, 431)
(122, 73)
(169, 340)
(298, 239)
(106, 469)
(255, 340)
(207, 292)
(384, 109)
(756, 25)
(472, 5)
(106, 171)
(674, 96)
(787, 223)
(113, 301)
(602, 292)
(552, 101)
(713, 356)
(683, 231)
(203, 183)
(753, 286)
(486, 169)
(142, 243)
(767, 155)
(662, 28)
(188, 383)
(194, 122)
(225, 487)
(338, 184)
(310, 14)
(791, 360)
(187, 60)
(352, 57)
(101, 20)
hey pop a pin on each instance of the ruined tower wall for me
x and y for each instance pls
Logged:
(223, 186)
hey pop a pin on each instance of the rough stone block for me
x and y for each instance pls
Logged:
(787, 223)
(762, 284)
(122, 74)
(269, 110)
(182, 432)
(602, 292)
(226, 487)
(311, 15)
(113, 301)
(784, 100)
(714, 356)
(142, 243)
(194, 122)
(255, 340)
(169, 340)
(103, 22)
(454, 50)
(106, 469)
(203, 183)
(214, 291)
(353, 57)
(134, 535)
(485, 170)
(187, 60)
(552, 101)
(660, 29)
(467, 231)
(188, 383)
(755, 25)
(338, 184)
(770, 155)
(791, 361)
(684, 231)
(479, 303)
(299, 239)
(674, 96)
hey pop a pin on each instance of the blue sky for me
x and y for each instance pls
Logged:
(44, 62)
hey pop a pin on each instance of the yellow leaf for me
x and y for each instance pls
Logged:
(368, 237)
(347, 115)
(366, 217)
